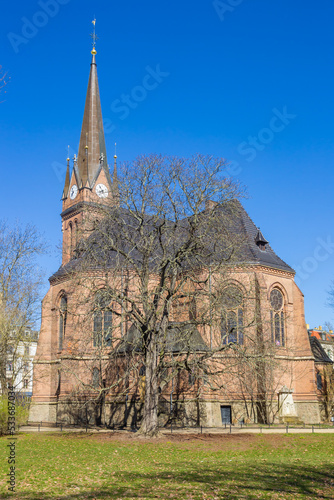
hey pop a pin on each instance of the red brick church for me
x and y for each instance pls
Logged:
(59, 375)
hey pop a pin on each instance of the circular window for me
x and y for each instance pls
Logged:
(276, 299)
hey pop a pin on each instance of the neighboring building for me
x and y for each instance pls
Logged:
(326, 340)
(322, 347)
(20, 358)
(277, 301)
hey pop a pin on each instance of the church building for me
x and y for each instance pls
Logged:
(63, 385)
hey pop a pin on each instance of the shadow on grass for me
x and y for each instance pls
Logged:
(232, 482)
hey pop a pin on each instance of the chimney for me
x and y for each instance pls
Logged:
(210, 204)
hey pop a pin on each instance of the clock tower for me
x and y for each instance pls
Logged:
(89, 187)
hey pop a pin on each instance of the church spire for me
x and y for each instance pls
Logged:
(92, 143)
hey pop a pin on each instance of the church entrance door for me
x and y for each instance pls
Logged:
(226, 414)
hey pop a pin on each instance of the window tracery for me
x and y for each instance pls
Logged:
(62, 320)
(232, 323)
(277, 317)
(102, 320)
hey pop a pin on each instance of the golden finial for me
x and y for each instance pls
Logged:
(68, 154)
(94, 37)
(115, 155)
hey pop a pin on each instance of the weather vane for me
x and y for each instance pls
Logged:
(94, 37)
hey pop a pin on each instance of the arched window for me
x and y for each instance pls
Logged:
(232, 323)
(75, 234)
(277, 317)
(70, 228)
(102, 320)
(62, 321)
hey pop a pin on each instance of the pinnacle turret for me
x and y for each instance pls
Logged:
(67, 180)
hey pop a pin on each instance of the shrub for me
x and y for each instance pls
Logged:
(21, 414)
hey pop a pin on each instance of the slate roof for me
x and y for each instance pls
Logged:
(253, 254)
(234, 223)
(320, 355)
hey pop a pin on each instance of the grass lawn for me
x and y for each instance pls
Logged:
(102, 466)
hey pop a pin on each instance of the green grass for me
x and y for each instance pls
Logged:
(85, 466)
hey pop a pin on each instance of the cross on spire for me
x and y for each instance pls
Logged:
(94, 37)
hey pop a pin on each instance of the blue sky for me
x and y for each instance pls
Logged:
(248, 80)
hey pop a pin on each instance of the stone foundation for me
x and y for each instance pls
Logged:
(43, 412)
(308, 411)
(185, 413)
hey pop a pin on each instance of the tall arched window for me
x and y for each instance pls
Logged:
(232, 323)
(102, 320)
(75, 234)
(277, 317)
(70, 242)
(62, 321)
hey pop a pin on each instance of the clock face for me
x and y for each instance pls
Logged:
(101, 191)
(73, 192)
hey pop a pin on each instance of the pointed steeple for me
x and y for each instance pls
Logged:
(92, 143)
(67, 180)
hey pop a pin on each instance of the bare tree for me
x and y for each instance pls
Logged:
(325, 373)
(327, 390)
(151, 280)
(20, 287)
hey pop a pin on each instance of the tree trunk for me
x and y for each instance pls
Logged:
(3, 378)
(261, 404)
(149, 425)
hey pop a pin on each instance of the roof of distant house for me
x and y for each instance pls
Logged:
(321, 335)
(320, 356)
